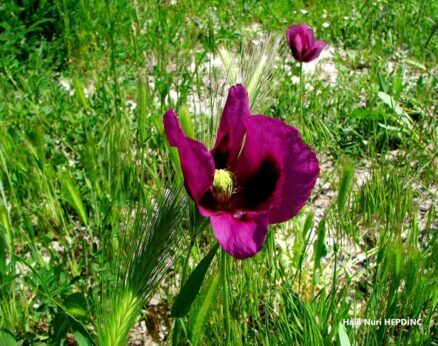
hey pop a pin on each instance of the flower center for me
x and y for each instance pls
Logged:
(223, 184)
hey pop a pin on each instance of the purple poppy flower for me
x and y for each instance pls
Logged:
(259, 172)
(302, 43)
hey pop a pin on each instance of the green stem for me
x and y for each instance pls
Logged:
(301, 90)
(224, 278)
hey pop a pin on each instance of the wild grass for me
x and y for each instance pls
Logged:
(97, 234)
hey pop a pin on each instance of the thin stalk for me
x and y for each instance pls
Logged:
(7, 218)
(224, 278)
(420, 13)
(301, 91)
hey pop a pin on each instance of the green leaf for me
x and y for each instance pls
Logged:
(82, 339)
(191, 288)
(345, 184)
(416, 64)
(320, 248)
(343, 336)
(186, 122)
(76, 305)
(301, 240)
(2, 251)
(79, 89)
(60, 325)
(308, 224)
(396, 130)
(389, 101)
(7, 338)
(362, 113)
(73, 197)
(199, 318)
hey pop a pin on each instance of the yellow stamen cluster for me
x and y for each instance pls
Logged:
(223, 184)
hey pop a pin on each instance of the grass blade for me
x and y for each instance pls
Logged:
(190, 290)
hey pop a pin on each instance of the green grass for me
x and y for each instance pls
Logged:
(93, 219)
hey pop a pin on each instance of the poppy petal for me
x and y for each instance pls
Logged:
(292, 32)
(294, 40)
(314, 52)
(197, 164)
(241, 235)
(231, 129)
(308, 34)
(283, 168)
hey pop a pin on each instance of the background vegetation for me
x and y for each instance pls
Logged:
(93, 220)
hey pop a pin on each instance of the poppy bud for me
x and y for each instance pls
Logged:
(301, 41)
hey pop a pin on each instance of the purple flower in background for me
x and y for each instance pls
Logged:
(259, 172)
(301, 41)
